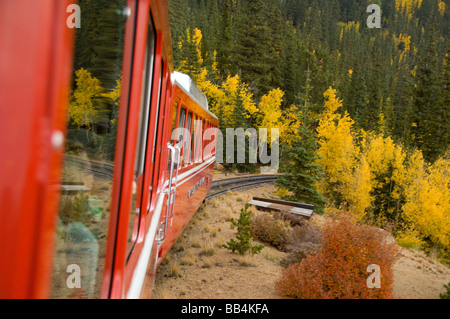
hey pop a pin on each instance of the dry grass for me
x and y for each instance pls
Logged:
(208, 248)
(174, 268)
(201, 265)
(226, 213)
(164, 293)
(190, 258)
(247, 261)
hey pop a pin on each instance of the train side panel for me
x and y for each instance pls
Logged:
(35, 70)
(93, 197)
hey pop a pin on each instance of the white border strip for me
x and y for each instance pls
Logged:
(194, 170)
(200, 167)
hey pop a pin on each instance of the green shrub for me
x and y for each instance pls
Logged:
(447, 294)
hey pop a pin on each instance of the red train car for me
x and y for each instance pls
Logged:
(106, 153)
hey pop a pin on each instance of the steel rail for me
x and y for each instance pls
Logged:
(223, 186)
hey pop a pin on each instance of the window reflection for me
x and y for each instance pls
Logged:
(90, 150)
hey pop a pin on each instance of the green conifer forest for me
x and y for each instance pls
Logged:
(393, 79)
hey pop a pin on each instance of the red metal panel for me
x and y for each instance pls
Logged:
(34, 86)
(126, 149)
(35, 69)
(116, 267)
(110, 276)
(157, 121)
(186, 207)
(150, 167)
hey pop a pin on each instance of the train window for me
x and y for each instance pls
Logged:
(205, 138)
(198, 139)
(192, 151)
(141, 152)
(84, 208)
(174, 119)
(180, 129)
(174, 138)
(155, 134)
(193, 137)
(195, 140)
(187, 151)
(181, 124)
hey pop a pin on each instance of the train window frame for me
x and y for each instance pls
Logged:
(146, 99)
(202, 156)
(160, 124)
(193, 139)
(145, 114)
(206, 137)
(175, 118)
(194, 143)
(158, 110)
(198, 139)
(182, 120)
(173, 130)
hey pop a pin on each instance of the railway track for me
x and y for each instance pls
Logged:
(106, 170)
(97, 168)
(223, 186)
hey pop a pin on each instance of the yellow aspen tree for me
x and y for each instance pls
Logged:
(292, 123)
(387, 175)
(81, 108)
(442, 7)
(271, 115)
(337, 149)
(224, 100)
(357, 193)
(428, 200)
(231, 88)
(248, 103)
(407, 6)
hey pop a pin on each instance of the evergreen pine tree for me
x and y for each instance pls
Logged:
(254, 49)
(444, 104)
(225, 43)
(290, 65)
(179, 13)
(301, 174)
(427, 112)
(243, 244)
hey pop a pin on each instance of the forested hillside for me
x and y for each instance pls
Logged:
(392, 79)
(362, 113)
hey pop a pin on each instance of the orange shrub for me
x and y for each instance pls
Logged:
(339, 269)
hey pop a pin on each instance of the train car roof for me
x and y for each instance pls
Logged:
(184, 82)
